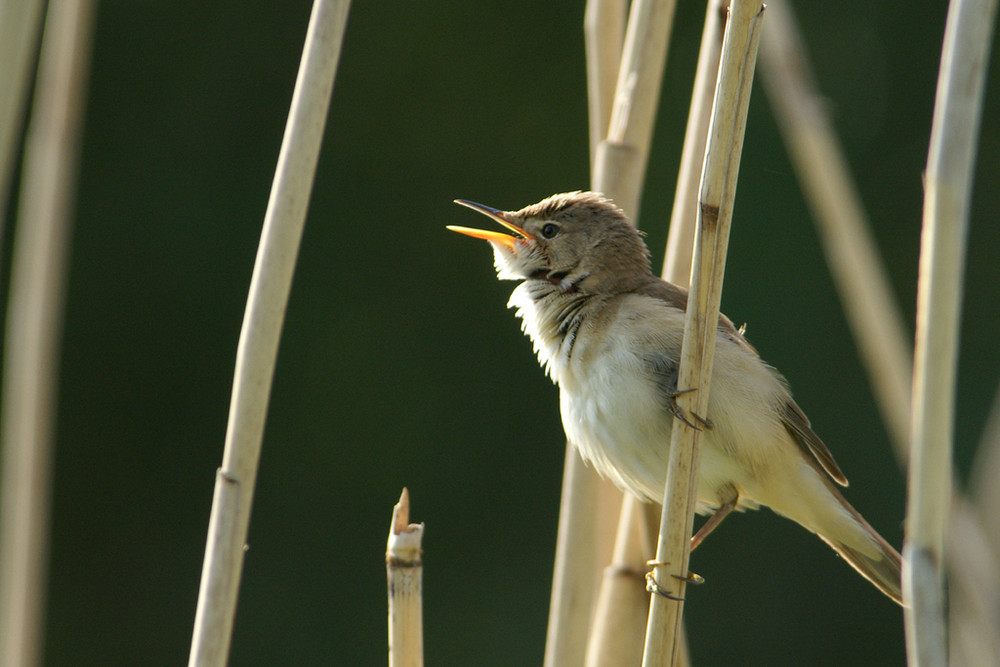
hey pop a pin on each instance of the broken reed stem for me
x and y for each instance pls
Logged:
(34, 325)
(261, 332)
(851, 252)
(950, 169)
(718, 191)
(589, 504)
(404, 569)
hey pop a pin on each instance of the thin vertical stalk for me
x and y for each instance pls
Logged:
(684, 216)
(851, 252)
(19, 27)
(34, 323)
(587, 513)
(621, 605)
(404, 575)
(261, 332)
(621, 158)
(950, 168)
(604, 34)
(985, 471)
(718, 192)
(583, 542)
(618, 634)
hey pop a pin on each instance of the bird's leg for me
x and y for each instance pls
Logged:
(696, 539)
(714, 521)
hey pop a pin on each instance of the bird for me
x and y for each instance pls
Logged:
(608, 332)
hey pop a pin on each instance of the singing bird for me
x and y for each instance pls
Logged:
(609, 333)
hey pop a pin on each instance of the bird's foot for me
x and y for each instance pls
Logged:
(653, 587)
(680, 413)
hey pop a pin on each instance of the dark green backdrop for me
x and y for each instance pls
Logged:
(399, 363)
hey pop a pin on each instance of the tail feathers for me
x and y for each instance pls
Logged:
(884, 572)
(884, 568)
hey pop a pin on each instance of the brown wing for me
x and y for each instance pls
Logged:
(676, 296)
(798, 425)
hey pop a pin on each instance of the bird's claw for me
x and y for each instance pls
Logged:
(653, 587)
(691, 578)
(681, 414)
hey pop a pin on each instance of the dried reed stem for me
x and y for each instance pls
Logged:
(973, 587)
(586, 520)
(404, 572)
(851, 252)
(718, 190)
(983, 487)
(604, 35)
(19, 27)
(583, 546)
(34, 324)
(684, 216)
(261, 331)
(620, 163)
(950, 166)
(621, 605)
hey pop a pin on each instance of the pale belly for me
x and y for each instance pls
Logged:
(620, 425)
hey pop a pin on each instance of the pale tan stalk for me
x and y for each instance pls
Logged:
(19, 28)
(583, 543)
(973, 587)
(684, 216)
(34, 325)
(404, 574)
(622, 604)
(950, 168)
(851, 252)
(983, 488)
(604, 34)
(261, 332)
(718, 190)
(620, 163)
(589, 504)
(583, 547)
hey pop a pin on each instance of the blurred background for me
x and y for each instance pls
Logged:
(400, 364)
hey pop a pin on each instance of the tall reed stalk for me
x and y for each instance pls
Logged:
(20, 24)
(34, 322)
(261, 332)
(718, 192)
(950, 169)
(588, 507)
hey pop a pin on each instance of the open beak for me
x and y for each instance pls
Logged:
(496, 237)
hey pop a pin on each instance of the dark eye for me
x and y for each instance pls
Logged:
(550, 229)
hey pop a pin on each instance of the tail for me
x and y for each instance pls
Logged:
(883, 568)
(811, 499)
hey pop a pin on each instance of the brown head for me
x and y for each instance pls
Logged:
(579, 241)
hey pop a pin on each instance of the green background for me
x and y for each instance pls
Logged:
(399, 363)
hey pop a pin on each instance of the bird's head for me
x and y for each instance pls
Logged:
(578, 241)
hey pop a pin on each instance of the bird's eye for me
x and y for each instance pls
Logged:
(550, 229)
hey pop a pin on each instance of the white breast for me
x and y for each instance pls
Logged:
(613, 412)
